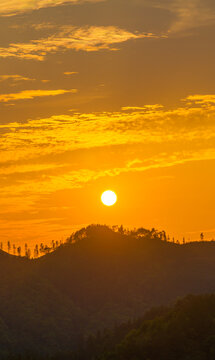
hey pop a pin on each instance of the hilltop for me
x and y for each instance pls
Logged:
(98, 279)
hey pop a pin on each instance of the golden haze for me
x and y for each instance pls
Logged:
(93, 100)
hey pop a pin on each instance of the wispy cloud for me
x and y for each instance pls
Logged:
(202, 99)
(28, 168)
(16, 6)
(192, 14)
(31, 94)
(70, 179)
(88, 39)
(187, 14)
(15, 78)
(142, 108)
(190, 123)
(68, 73)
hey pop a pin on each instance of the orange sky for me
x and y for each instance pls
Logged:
(97, 95)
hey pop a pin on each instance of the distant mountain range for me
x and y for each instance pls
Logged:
(99, 279)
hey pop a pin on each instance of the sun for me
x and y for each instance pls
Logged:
(109, 198)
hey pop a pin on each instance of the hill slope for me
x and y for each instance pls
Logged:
(102, 279)
(185, 331)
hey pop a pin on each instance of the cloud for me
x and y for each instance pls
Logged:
(73, 179)
(31, 94)
(188, 14)
(28, 168)
(68, 73)
(93, 38)
(15, 78)
(191, 14)
(58, 134)
(14, 7)
(202, 99)
(142, 108)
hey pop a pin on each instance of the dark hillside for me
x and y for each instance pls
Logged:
(102, 279)
(185, 331)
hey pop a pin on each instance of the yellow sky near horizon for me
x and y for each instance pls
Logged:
(99, 95)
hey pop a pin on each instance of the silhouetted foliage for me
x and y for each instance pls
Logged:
(19, 251)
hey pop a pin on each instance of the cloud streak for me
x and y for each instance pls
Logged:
(61, 133)
(73, 179)
(202, 99)
(15, 78)
(31, 94)
(191, 14)
(188, 15)
(15, 7)
(93, 38)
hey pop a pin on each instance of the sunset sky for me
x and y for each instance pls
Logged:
(97, 95)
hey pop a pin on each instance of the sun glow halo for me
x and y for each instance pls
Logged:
(109, 198)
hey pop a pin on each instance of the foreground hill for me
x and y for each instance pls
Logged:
(99, 279)
(185, 331)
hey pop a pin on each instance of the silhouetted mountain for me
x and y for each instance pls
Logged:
(98, 279)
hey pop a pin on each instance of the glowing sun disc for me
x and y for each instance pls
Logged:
(109, 198)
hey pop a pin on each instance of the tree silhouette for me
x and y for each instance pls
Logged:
(36, 251)
(26, 250)
(202, 236)
(121, 230)
(41, 247)
(28, 253)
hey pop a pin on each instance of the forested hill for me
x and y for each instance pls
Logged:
(185, 331)
(98, 279)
